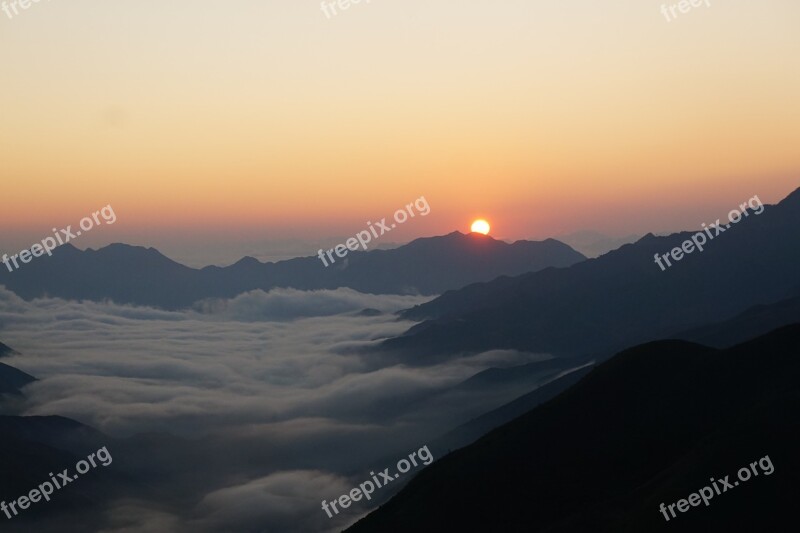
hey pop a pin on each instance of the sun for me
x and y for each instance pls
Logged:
(480, 226)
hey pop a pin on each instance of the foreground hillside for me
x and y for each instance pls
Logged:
(650, 426)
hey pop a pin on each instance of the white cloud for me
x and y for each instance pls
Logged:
(281, 381)
(289, 304)
(274, 502)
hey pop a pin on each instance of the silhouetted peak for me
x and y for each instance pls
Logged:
(6, 350)
(551, 241)
(127, 251)
(792, 199)
(247, 261)
(68, 249)
(12, 379)
(119, 248)
(455, 238)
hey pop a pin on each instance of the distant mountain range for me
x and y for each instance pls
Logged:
(649, 426)
(594, 244)
(143, 276)
(620, 299)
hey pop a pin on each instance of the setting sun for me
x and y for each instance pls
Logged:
(480, 226)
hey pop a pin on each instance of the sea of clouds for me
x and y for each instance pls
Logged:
(285, 382)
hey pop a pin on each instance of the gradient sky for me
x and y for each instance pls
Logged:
(207, 123)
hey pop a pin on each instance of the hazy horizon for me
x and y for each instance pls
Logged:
(198, 251)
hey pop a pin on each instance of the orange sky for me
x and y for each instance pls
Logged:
(265, 119)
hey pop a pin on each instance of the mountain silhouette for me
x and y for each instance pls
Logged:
(33, 447)
(477, 427)
(619, 299)
(143, 276)
(651, 425)
(755, 321)
(5, 351)
(594, 244)
(12, 380)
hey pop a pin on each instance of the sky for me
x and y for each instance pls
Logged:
(266, 127)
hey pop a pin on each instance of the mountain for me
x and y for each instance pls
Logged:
(477, 427)
(12, 380)
(620, 299)
(33, 447)
(757, 320)
(651, 425)
(143, 276)
(5, 351)
(54, 431)
(594, 244)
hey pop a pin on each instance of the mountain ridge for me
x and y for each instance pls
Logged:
(619, 299)
(144, 276)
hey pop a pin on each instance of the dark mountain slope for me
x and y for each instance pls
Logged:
(12, 380)
(33, 447)
(5, 351)
(756, 321)
(469, 432)
(651, 425)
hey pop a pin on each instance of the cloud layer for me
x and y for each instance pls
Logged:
(283, 381)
